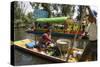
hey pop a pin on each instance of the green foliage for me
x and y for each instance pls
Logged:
(20, 19)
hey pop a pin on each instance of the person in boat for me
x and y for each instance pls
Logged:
(90, 52)
(45, 39)
(46, 43)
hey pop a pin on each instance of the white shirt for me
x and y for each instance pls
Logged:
(92, 31)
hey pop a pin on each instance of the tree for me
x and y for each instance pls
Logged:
(66, 10)
(20, 19)
(17, 14)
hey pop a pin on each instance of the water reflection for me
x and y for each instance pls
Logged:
(20, 34)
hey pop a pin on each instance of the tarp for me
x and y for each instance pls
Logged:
(40, 13)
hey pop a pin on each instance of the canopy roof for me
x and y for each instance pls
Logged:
(52, 20)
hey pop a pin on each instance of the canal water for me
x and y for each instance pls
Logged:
(23, 58)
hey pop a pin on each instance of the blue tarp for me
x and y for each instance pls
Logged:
(31, 44)
(40, 13)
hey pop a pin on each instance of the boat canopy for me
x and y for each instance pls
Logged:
(52, 20)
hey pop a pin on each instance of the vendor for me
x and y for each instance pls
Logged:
(45, 39)
(91, 48)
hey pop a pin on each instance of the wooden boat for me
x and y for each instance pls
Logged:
(69, 36)
(21, 45)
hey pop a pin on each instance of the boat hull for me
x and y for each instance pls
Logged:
(36, 53)
(65, 35)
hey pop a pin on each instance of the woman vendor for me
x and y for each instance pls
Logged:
(45, 39)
